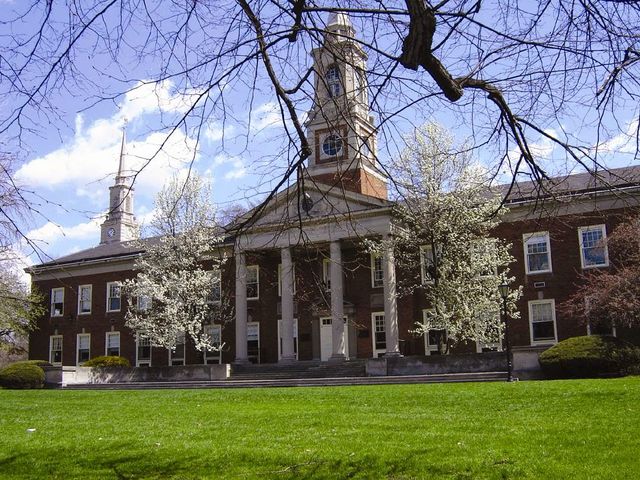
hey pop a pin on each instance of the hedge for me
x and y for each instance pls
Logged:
(22, 375)
(107, 361)
(589, 356)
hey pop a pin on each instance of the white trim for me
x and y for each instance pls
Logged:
(80, 288)
(526, 238)
(257, 283)
(117, 285)
(552, 341)
(326, 328)
(380, 282)
(106, 342)
(377, 351)
(603, 229)
(51, 338)
(53, 312)
(87, 335)
(144, 361)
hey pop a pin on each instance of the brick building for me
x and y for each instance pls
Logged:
(301, 282)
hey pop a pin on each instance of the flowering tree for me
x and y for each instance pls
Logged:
(177, 288)
(446, 215)
(610, 297)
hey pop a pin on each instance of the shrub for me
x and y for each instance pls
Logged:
(22, 375)
(39, 363)
(588, 356)
(107, 361)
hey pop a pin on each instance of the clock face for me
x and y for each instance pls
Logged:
(111, 232)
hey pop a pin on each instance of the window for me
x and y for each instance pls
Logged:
(379, 333)
(143, 303)
(537, 252)
(332, 145)
(55, 349)
(253, 282)
(427, 264)
(253, 342)
(216, 286)
(280, 279)
(176, 354)
(214, 355)
(84, 348)
(57, 302)
(143, 350)
(84, 300)
(593, 249)
(542, 317)
(332, 78)
(112, 344)
(433, 337)
(377, 273)
(113, 297)
(326, 274)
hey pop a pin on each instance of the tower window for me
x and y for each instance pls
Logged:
(332, 145)
(332, 77)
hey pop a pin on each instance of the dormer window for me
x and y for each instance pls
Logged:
(332, 78)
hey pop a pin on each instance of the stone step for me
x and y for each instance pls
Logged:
(298, 370)
(301, 382)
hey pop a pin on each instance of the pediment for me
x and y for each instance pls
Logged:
(323, 203)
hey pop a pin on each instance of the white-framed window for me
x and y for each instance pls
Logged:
(377, 271)
(427, 264)
(143, 303)
(326, 274)
(57, 302)
(280, 279)
(214, 355)
(143, 350)
(332, 79)
(113, 297)
(537, 252)
(215, 295)
(593, 247)
(542, 321)
(112, 344)
(253, 282)
(55, 349)
(84, 299)
(378, 337)
(83, 348)
(253, 342)
(434, 336)
(176, 354)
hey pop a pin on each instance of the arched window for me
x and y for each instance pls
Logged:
(332, 78)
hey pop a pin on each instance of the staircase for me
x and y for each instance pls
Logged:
(298, 370)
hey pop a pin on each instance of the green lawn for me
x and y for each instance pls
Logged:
(563, 429)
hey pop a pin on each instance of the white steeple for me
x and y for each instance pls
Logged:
(120, 224)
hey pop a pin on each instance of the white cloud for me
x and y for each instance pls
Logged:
(266, 116)
(215, 131)
(50, 233)
(239, 170)
(624, 142)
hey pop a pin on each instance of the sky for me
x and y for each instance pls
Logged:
(72, 159)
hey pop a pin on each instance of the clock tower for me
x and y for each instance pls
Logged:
(340, 128)
(120, 224)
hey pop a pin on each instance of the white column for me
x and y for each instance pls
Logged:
(337, 314)
(286, 329)
(241, 308)
(390, 305)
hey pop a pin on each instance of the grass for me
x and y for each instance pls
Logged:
(575, 429)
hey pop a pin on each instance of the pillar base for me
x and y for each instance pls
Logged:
(288, 359)
(241, 361)
(337, 358)
(393, 354)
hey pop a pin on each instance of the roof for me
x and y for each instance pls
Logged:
(574, 184)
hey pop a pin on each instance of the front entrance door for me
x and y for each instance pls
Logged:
(295, 338)
(326, 338)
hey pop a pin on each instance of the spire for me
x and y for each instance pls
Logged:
(340, 24)
(120, 177)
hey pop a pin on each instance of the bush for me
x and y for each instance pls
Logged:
(22, 375)
(39, 363)
(107, 361)
(589, 356)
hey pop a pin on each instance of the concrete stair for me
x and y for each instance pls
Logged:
(300, 382)
(298, 370)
